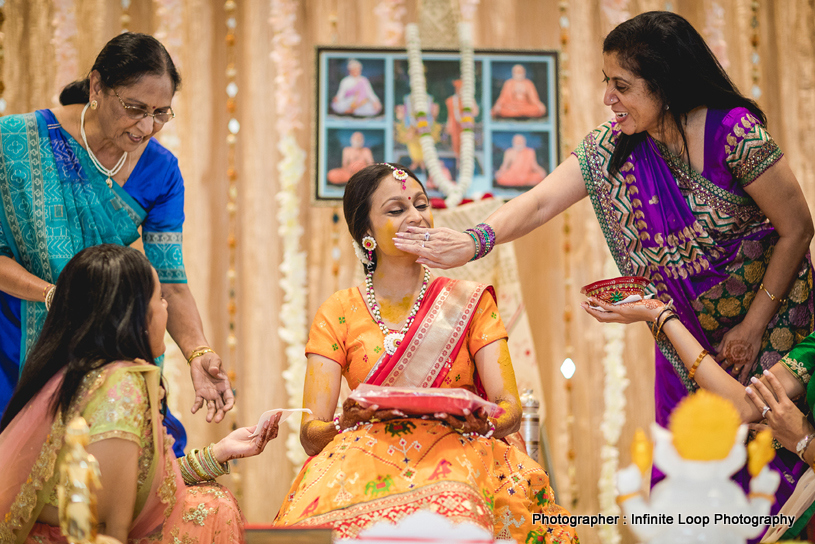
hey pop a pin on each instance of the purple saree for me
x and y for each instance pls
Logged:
(703, 242)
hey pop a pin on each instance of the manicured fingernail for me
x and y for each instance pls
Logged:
(466, 412)
(766, 372)
(400, 235)
(748, 390)
(754, 380)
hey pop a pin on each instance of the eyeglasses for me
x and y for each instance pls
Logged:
(136, 113)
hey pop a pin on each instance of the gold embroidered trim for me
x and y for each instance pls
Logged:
(43, 469)
(116, 434)
(797, 369)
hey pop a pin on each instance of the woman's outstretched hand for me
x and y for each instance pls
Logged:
(643, 310)
(437, 248)
(239, 443)
(212, 387)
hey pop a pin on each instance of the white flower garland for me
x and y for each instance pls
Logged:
(292, 167)
(170, 17)
(454, 192)
(65, 31)
(613, 420)
(391, 28)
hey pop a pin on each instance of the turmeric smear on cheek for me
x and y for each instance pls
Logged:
(385, 235)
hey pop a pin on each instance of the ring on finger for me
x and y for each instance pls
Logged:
(426, 236)
(765, 410)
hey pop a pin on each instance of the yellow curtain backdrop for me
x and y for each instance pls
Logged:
(787, 52)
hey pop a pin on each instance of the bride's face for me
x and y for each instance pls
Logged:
(394, 209)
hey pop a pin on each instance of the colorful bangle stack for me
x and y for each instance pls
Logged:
(201, 466)
(484, 238)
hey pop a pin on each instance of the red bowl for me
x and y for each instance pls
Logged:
(616, 289)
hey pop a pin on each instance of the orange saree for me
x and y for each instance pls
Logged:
(388, 470)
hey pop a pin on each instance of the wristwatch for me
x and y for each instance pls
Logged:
(802, 445)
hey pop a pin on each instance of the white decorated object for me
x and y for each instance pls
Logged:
(696, 490)
(426, 527)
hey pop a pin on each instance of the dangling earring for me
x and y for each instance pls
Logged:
(369, 245)
(94, 104)
(667, 107)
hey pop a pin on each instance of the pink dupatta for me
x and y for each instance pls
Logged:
(30, 445)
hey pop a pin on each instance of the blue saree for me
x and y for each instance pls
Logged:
(55, 203)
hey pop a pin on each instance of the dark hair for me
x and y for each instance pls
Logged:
(123, 61)
(99, 315)
(679, 69)
(356, 202)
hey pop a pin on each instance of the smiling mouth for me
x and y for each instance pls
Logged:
(621, 115)
(134, 137)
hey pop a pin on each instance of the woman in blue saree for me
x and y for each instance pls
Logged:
(90, 173)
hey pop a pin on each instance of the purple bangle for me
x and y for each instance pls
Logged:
(490, 233)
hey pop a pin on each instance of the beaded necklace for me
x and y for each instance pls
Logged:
(393, 339)
(109, 172)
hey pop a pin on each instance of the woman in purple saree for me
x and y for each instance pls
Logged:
(691, 192)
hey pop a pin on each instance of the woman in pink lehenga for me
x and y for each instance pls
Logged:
(108, 318)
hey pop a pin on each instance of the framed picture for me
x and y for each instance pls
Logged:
(365, 116)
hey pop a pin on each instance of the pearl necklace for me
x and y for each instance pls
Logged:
(393, 339)
(105, 172)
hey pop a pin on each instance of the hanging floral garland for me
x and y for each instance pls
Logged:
(292, 167)
(170, 17)
(454, 192)
(64, 24)
(391, 29)
(616, 383)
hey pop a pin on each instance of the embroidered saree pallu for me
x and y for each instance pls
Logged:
(388, 470)
(703, 242)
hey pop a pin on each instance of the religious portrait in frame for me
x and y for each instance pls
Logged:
(520, 159)
(516, 116)
(519, 91)
(356, 87)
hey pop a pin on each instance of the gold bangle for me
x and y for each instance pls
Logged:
(49, 297)
(622, 498)
(772, 297)
(197, 352)
(766, 496)
(692, 371)
(668, 313)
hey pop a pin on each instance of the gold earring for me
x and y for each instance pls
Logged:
(93, 105)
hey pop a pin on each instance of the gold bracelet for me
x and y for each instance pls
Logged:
(622, 498)
(197, 352)
(765, 496)
(668, 313)
(49, 297)
(692, 371)
(772, 297)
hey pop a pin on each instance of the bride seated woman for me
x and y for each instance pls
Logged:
(405, 328)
